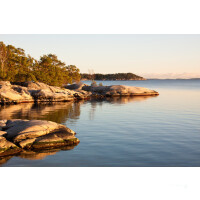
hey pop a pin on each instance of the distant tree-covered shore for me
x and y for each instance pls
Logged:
(16, 66)
(117, 76)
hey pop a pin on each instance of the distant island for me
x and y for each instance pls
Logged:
(116, 76)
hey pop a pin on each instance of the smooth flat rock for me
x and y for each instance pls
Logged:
(18, 130)
(55, 139)
(35, 134)
(120, 90)
(41, 92)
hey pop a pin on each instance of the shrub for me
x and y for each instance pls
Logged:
(94, 84)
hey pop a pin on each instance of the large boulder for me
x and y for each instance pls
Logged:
(36, 134)
(78, 91)
(42, 92)
(46, 95)
(13, 93)
(76, 86)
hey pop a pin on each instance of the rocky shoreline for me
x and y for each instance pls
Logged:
(13, 93)
(18, 135)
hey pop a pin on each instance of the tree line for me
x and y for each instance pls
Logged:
(117, 76)
(16, 66)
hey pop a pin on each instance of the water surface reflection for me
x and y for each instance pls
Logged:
(57, 112)
(60, 112)
(35, 155)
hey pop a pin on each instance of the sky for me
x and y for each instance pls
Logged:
(150, 56)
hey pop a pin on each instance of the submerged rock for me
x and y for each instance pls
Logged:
(34, 134)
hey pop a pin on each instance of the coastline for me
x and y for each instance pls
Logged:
(23, 92)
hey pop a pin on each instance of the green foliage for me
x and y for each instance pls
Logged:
(16, 66)
(24, 77)
(118, 76)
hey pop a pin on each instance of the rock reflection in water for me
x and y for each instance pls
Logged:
(39, 155)
(35, 155)
(4, 159)
(62, 111)
(129, 99)
(57, 112)
(115, 100)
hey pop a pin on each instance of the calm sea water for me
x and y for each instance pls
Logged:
(140, 131)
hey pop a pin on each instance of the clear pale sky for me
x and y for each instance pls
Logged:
(148, 55)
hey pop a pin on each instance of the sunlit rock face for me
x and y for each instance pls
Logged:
(43, 92)
(20, 134)
(113, 90)
(7, 147)
(13, 93)
(37, 92)
(40, 92)
(120, 90)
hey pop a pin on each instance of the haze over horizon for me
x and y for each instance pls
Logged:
(171, 75)
(150, 56)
